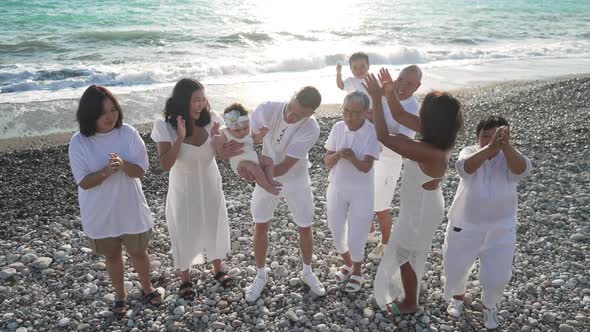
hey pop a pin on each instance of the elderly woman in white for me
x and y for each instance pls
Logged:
(482, 218)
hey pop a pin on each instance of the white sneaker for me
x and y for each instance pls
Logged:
(311, 280)
(253, 291)
(455, 308)
(374, 237)
(490, 318)
(378, 252)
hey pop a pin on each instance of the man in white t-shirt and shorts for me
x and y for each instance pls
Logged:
(389, 165)
(291, 131)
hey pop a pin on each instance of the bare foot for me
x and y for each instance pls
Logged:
(275, 183)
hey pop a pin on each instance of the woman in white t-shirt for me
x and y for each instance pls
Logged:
(482, 218)
(196, 214)
(107, 158)
(352, 147)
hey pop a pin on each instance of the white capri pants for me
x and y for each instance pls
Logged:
(350, 212)
(299, 201)
(387, 172)
(494, 248)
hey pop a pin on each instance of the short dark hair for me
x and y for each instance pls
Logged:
(180, 104)
(236, 107)
(309, 97)
(358, 56)
(91, 106)
(492, 121)
(441, 119)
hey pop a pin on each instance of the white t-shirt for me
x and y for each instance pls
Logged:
(117, 206)
(363, 142)
(356, 84)
(488, 196)
(411, 105)
(286, 140)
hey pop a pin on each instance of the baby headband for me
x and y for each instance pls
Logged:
(234, 120)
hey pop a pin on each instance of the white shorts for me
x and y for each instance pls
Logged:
(387, 172)
(300, 203)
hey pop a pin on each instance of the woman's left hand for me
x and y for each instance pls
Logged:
(116, 162)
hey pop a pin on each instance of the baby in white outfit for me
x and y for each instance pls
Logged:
(237, 128)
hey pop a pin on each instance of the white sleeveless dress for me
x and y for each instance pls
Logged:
(196, 213)
(420, 214)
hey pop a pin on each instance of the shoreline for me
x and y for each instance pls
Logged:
(325, 110)
(52, 281)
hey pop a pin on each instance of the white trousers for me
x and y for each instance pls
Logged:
(387, 172)
(494, 248)
(350, 212)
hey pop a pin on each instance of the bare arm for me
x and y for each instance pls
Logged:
(331, 159)
(168, 153)
(474, 162)
(401, 144)
(362, 165)
(283, 167)
(516, 161)
(398, 112)
(339, 81)
(95, 179)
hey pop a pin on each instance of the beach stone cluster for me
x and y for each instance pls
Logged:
(50, 280)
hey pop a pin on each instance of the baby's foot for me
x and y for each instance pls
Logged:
(275, 183)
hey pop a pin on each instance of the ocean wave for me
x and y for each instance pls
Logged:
(28, 47)
(244, 38)
(152, 37)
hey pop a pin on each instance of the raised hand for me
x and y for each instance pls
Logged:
(215, 129)
(338, 68)
(180, 127)
(505, 136)
(389, 85)
(373, 87)
(495, 143)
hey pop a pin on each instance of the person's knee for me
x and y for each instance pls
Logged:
(138, 253)
(113, 254)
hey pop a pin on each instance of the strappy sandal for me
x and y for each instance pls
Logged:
(149, 298)
(225, 282)
(341, 276)
(354, 284)
(119, 308)
(186, 291)
(395, 310)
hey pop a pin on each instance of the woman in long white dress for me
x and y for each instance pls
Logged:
(195, 205)
(425, 163)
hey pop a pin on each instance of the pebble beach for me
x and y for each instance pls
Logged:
(51, 281)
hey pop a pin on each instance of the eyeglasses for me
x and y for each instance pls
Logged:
(351, 112)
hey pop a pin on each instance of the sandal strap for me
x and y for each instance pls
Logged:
(152, 295)
(356, 278)
(394, 308)
(219, 275)
(346, 268)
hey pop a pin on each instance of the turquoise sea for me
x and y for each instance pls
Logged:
(249, 51)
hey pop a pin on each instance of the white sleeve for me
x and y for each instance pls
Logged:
(77, 158)
(330, 144)
(349, 84)
(304, 139)
(373, 148)
(138, 153)
(527, 171)
(261, 117)
(161, 132)
(465, 153)
(413, 108)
